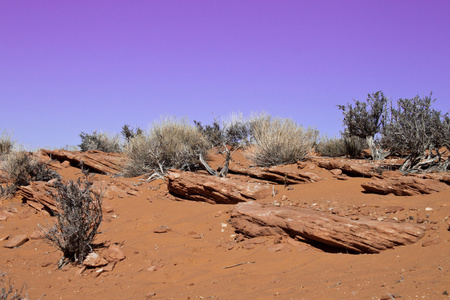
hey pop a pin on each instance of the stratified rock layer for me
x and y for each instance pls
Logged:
(214, 190)
(362, 235)
(404, 186)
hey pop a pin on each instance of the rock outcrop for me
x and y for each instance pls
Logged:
(38, 195)
(361, 236)
(279, 174)
(96, 161)
(404, 186)
(214, 190)
(348, 167)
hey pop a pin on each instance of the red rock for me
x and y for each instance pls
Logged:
(431, 242)
(97, 161)
(391, 174)
(37, 235)
(336, 172)
(349, 167)
(114, 254)
(279, 174)
(37, 195)
(363, 235)
(94, 260)
(211, 189)
(16, 241)
(279, 247)
(162, 229)
(404, 186)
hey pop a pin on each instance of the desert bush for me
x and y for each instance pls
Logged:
(128, 132)
(354, 146)
(100, 141)
(79, 215)
(9, 292)
(22, 167)
(6, 144)
(170, 144)
(277, 141)
(413, 127)
(333, 147)
(233, 132)
(365, 120)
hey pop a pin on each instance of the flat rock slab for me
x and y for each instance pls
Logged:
(361, 236)
(404, 186)
(38, 195)
(214, 190)
(279, 174)
(349, 167)
(97, 161)
(16, 241)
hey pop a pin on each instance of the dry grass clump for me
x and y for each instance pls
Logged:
(332, 147)
(78, 220)
(100, 141)
(170, 144)
(21, 167)
(277, 141)
(6, 144)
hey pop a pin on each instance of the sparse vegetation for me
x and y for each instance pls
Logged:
(416, 129)
(332, 147)
(22, 167)
(128, 132)
(100, 141)
(9, 292)
(277, 141)
(78, 219)
(170, 144)
(226, 137)
(365, 120)
(6, 144)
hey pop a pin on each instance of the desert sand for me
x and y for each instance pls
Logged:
(182, 249)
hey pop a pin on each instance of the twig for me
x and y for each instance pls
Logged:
(239, 264)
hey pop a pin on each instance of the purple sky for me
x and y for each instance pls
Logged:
(72, 66)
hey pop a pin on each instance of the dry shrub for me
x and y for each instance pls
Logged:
(277, 141)
(170, 144)
(6, 144)
(332, 147)
(78, 219)
(100, 141)
(22, 167)
(9, 292)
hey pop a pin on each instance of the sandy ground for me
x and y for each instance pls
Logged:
(198, 257)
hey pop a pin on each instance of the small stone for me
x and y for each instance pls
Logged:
(16, 241)
(94, 260)
(162, 229)
(114, 254)
(428, 209)
(336, 172)
(278, 248)
(65, 164)
(150, 294)
(37, 235)
(431, 242)
(80, 271)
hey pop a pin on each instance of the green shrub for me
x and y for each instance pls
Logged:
(354, 146)
(78, 219)
(128, 132)
(101, 142)
(170, 144)
(277, 141)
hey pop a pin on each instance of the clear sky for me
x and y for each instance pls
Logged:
(85, 65)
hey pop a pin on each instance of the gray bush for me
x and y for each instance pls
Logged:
(9, 292)
(101, 142)
(416, 129)
(79, 215)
